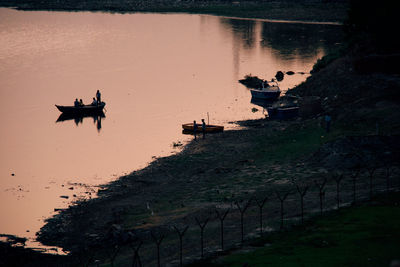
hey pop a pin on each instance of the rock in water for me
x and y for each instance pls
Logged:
(279, 76)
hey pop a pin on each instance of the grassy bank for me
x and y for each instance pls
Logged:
(277, 10)
(353, 236)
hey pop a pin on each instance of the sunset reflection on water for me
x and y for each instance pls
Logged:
(155, 72)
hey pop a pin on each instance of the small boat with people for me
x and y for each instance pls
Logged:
(189, 127)
(79, 108)
(82, 109)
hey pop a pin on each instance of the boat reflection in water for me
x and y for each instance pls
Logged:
(78, 118)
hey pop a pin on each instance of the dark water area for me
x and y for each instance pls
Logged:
(155, 72)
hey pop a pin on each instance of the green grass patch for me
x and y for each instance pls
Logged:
(356, 236)
(291, 143)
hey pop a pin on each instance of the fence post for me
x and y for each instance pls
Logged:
(242, 210)
(113, 254)
(302, 192)
(388, 173)
(136, 258)
(321, 192)
(371, 170)
(260, 205)
(158, 244)
(338, 178)
(221, 217)
(202, 226)
(354, 175)
(181, 234)
(282, 199)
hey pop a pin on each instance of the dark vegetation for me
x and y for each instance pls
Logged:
(333, 11)
(370, 39)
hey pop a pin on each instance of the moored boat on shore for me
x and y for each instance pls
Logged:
(283, 113)
(189, 127)
(267, 91)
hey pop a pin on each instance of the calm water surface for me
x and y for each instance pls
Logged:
(155, 72)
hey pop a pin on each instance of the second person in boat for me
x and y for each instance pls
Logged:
(98, 96)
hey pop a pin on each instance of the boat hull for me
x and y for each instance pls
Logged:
(86, 109)
(264, 103)
(283, 113)
(265, 94)
(189, 127)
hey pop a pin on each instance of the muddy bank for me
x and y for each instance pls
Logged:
(20, 256)
(207, 176)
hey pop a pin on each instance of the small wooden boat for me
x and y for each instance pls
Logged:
(85, 109)
(189, 127)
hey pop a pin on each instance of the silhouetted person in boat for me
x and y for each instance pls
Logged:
(94, 102)
(76, 102)
(194, 129)
(203, 128)
(81, 102)
(98, 96)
